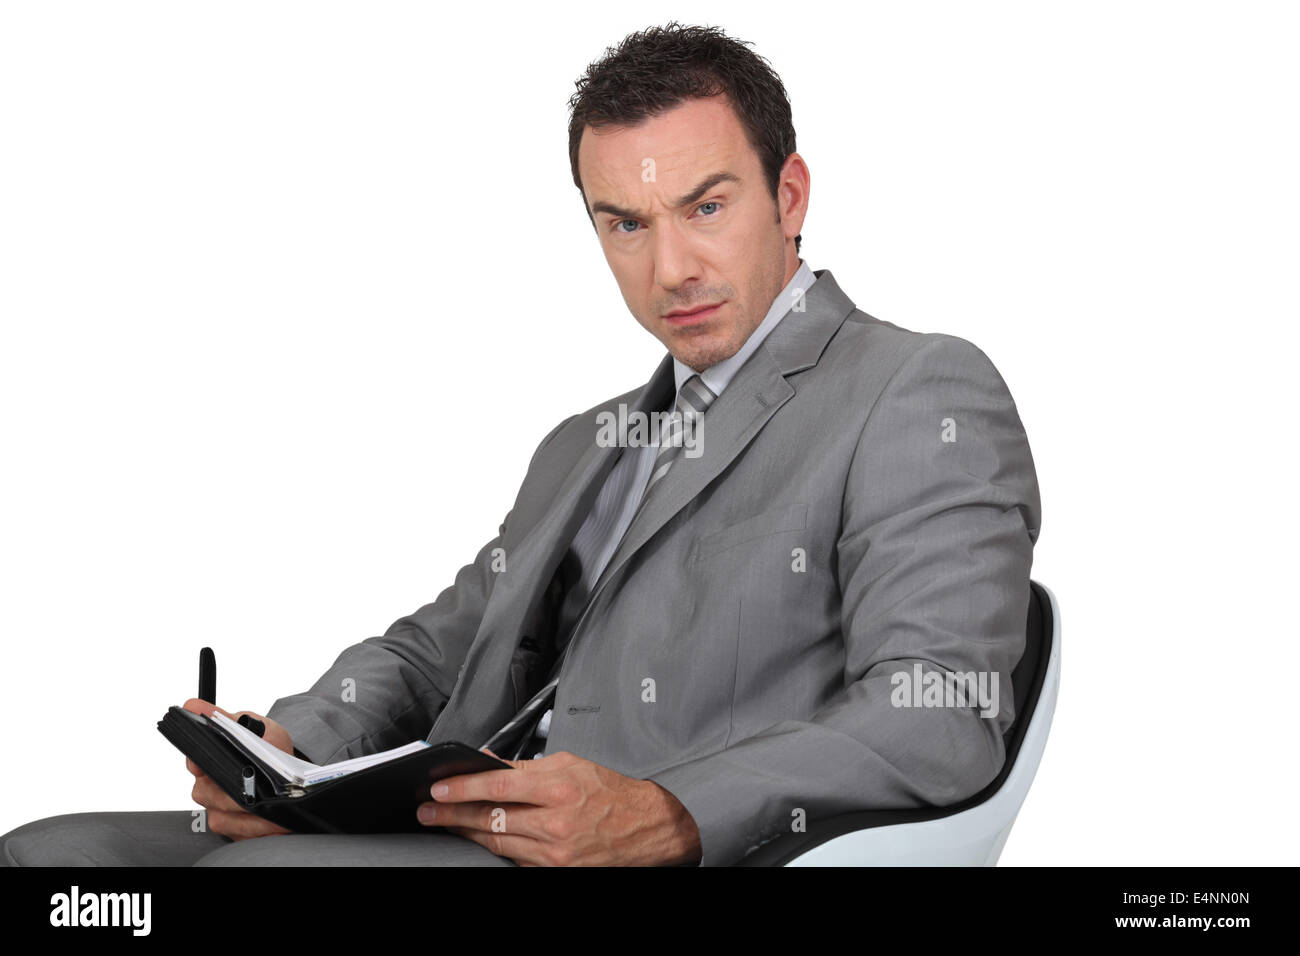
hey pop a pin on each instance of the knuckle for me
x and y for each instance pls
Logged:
(561, 856)
(498, 788)
(564, 791)
(563, 828)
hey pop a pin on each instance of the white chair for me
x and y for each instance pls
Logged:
(973, 831)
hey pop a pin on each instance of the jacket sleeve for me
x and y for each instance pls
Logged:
(940, 515)
(387, 691)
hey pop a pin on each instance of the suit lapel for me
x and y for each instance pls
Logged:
(530, 565)
(758, 390)
(744, 407)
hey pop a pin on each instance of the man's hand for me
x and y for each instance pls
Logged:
(562, 810)
(225, 816)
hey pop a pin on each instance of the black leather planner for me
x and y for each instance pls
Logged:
(381, 798)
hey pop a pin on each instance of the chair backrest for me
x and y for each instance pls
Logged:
(1027, 679)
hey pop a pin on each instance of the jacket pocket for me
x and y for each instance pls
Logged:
(793, 517)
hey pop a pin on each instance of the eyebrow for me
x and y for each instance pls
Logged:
(695, 194)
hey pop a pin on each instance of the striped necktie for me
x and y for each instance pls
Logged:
(693, 399)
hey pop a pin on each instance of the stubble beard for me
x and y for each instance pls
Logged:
(704, 354)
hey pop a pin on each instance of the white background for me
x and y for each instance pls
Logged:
(290, 292)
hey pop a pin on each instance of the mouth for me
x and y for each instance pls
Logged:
(681, 317)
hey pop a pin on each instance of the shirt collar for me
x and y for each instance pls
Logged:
(716, 377)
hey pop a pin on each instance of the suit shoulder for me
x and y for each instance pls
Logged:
(867, 348)
(961, 355)
(879, 343)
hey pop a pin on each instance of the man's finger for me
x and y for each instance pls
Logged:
(518, 785)
(513, 763)
(240, 825)
(207, 794)
(198, 706)
(520, 819)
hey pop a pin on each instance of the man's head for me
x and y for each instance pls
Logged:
(682, 146)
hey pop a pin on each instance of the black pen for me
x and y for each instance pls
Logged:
(207, 675)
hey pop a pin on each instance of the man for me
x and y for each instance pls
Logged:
(683, 644)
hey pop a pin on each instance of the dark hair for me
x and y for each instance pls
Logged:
(657, 69)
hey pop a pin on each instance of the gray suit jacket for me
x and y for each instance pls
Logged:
(865, 502)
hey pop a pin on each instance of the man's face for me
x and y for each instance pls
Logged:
(688, 227)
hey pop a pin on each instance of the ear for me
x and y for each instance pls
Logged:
(792, 195)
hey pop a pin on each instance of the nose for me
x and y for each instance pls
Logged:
(675, 261)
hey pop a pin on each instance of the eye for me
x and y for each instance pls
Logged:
(618, 226)
(706, 205)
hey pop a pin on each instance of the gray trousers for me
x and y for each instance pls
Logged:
(167, 838)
